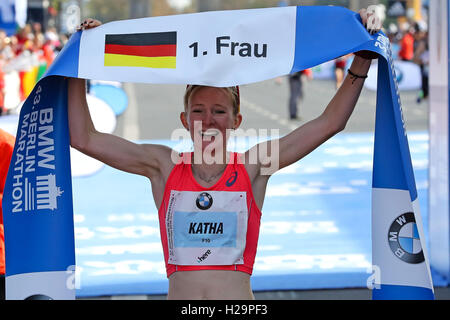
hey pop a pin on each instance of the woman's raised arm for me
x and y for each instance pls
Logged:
(143, 159)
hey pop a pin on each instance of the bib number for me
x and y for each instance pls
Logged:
(206, 228)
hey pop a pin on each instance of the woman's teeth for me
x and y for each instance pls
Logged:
(210, 133)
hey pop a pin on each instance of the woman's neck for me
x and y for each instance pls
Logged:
(207, 171)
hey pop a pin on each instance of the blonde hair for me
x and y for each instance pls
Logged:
(232, 91)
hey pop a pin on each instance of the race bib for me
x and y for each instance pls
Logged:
(206, 228)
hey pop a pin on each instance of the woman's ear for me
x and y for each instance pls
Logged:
(237, 121)
(184, 120)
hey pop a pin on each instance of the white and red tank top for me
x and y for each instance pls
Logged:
(215, 228)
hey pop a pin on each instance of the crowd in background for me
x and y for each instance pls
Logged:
(409, 42)
(24, 58)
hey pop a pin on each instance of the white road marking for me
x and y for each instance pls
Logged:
(268, 114)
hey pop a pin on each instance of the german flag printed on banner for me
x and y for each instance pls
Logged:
(148, 50)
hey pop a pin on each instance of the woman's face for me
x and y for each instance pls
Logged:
(208, 116)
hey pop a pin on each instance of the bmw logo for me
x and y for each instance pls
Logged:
(204, 201)
(404, 239)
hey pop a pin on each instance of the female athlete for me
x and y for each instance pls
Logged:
(210, 200)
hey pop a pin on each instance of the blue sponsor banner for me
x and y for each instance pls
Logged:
(389, 171)
(38, 213)
(403, 270)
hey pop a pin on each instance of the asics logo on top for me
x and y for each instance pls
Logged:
(232, 179)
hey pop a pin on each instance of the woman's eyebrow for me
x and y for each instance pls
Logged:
(220, 105)
(202, 105)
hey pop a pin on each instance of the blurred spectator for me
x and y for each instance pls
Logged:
(393, 34)
(5, 54)
(24, 36)
(52, 37)
(63, 40)
(339, 69)
(422, 56)
(406, 52)
(296, 91)
(48, 49)
(44, 49)
(6, 47)
(37, 28)
(2, 90)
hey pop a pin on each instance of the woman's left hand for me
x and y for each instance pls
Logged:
(370, 19)
(372, 22)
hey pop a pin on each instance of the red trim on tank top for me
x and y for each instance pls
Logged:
(247, 177)
(166, 187)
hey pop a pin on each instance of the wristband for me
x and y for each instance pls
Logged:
(355, 76)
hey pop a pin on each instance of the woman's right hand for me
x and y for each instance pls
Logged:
(88, 24)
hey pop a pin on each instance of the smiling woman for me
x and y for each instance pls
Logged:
(209, 123)
(209, 200)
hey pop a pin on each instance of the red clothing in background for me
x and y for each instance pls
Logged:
(6, 148)
(407, 47)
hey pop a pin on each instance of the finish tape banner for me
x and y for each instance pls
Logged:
(220, 49)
